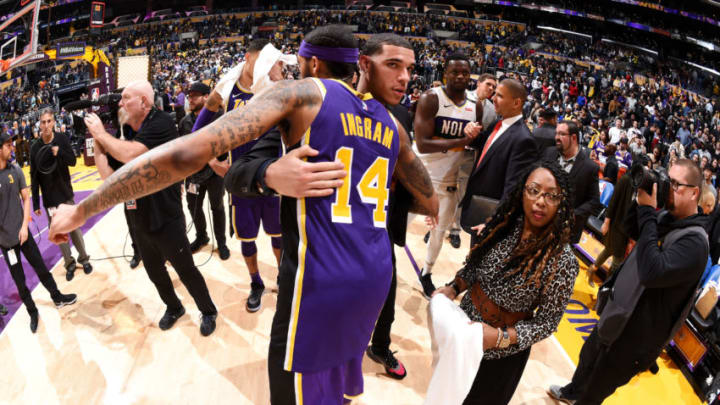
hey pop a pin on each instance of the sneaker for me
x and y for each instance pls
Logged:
(427, 285)
(224, 252)
(87, 268)
(3, 310)
(207, 324)
(171, 316)
(454, 240)
(555, 392)
(426, 237)
(62, 300)
(393, 367)
(254, 300)
(70, 268)
(198, 244)
(34, 318)
(135, 261)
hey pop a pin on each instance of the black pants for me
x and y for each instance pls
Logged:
(601, 370)
(170, 243)
(381, 334)
(215, 191)
(496, 380)
(130, 219)
(32, 254)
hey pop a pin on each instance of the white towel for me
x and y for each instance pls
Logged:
(457, 352)
(269, 55)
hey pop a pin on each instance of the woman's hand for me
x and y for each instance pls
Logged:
(478, 228)
(490, 336)
(447, 290)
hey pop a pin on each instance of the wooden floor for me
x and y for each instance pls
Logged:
(108, 349)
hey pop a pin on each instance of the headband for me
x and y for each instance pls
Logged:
(346, 55)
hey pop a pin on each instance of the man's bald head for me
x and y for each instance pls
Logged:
(515, 88)
(137, 100)
(142, 88)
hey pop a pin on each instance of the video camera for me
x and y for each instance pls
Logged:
(108, 115)
(643, 178)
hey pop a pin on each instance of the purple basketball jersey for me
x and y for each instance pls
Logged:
(238, 98)
(343, 254)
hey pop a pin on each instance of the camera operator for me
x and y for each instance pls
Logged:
(49, 173)
(158, 220)
(202, 182)
(651, 292)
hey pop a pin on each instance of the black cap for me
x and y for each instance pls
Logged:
(199, 87)
(4, 137)
(547, 113)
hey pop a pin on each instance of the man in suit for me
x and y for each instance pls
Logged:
(506, 148)
(583, 174)
(544, 134)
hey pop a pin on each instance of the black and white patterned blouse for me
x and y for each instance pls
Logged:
(511, 293)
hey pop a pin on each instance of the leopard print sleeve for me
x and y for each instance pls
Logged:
(551, 306)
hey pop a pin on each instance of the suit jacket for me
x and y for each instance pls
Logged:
(584, 178)
(503, 164)
(544, 137)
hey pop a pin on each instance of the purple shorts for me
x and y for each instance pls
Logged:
(247, 213)
(334, 386)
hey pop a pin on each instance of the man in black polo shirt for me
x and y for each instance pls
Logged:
(50, 158)
(159, 219)
(15, 236)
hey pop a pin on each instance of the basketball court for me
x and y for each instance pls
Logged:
(108, 349)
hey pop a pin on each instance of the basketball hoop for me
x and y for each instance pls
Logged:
(10, 56)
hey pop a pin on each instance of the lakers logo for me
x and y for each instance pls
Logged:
(10, 177)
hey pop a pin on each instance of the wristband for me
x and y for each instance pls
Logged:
(454, 286)
(260, 178)
(500, 335)
(205, 117)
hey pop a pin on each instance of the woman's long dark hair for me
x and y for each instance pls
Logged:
(530, 257)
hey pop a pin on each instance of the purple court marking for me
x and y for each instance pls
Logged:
(412, 260)
(51, 254)
(94, 172)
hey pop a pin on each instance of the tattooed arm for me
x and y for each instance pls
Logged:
(214, 101)
(296, 102)
(412, 174)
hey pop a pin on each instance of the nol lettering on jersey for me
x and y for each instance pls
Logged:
(354, 125)
(450, 127)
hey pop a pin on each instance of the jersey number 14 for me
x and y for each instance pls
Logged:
(372, 189)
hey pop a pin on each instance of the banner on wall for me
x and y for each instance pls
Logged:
(70, 49)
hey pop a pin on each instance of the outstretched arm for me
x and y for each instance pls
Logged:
(412, 174)
(175, 160)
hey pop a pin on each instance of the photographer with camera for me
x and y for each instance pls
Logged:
(645, 301)
(49, 161)
(158, 218)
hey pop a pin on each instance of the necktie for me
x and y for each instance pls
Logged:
(488, 142)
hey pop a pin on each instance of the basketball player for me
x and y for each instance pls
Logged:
(246, 213)
(483, 96)
(260, 170)
(441, 115)
(336, 269)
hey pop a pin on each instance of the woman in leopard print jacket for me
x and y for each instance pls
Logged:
(522, 266)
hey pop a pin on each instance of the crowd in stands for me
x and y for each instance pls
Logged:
(657, 111)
